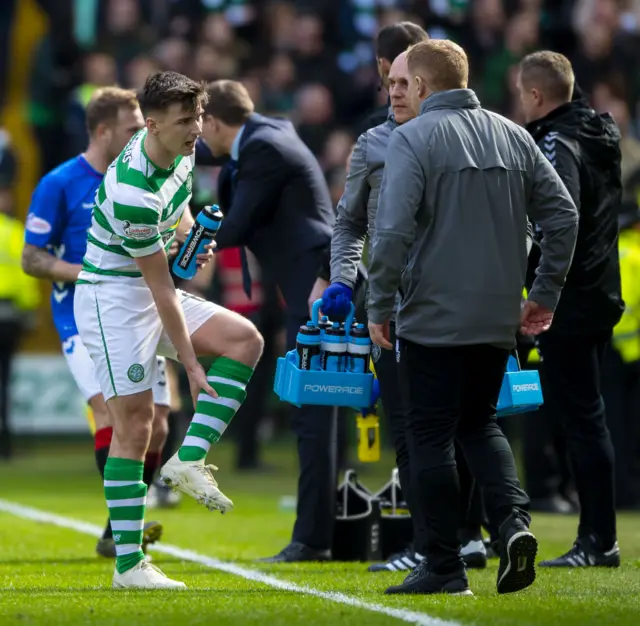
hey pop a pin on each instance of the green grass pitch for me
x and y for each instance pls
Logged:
(50, 575)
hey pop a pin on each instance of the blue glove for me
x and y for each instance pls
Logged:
(336, 300)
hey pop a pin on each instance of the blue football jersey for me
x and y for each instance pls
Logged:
(58, 220)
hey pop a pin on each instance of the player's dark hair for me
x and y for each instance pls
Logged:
(105, 104)
(394, 39)
(163, 89)
(229, 102)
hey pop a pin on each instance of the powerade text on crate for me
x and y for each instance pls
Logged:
(202, 233)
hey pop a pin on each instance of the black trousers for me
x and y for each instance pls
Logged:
(395, 410)
(453, 392)
(315, 428)
(571, 366)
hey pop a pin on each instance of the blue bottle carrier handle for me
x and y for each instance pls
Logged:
(521, 391)
(318, 387)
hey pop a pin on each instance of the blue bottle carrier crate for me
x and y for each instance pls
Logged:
(521, 391)
(318, 387)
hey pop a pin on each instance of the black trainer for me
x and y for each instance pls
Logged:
(296, 552)
(585, 554)
(423, 581)
(518, 549)
(402, 561)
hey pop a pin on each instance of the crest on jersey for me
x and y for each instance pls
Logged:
(189, 182)
(137, 231)
(37, 225)
(135, 373)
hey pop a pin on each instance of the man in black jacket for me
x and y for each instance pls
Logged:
(584, 149)
(277, 204)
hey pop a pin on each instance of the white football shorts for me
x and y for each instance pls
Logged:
(122, 331)
(84, 372)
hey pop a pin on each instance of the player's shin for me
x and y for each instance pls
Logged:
(229, 378)
(126, 497)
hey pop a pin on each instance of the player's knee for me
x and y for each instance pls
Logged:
(245, 342)
(254, 345)
(135, 423)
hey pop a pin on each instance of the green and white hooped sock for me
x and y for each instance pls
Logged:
(229, 378)
(126, 497)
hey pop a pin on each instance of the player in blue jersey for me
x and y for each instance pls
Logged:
(55, 243)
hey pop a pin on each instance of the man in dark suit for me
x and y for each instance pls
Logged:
(277, 204)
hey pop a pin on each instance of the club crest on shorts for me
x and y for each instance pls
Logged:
(376, 351)
(135, 373)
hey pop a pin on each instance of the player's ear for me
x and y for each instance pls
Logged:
(152, 125)
(538, 97)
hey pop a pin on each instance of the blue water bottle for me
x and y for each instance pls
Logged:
(202, 233)
(359, 350)
(308, 347)
(334, 348)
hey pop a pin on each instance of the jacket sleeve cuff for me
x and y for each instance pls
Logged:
(545, 297)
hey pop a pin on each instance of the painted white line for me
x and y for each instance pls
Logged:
(411, 617)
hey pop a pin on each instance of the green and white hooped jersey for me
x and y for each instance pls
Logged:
(138, 207)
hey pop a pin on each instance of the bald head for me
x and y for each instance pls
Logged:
(437, 65)
(403, 108)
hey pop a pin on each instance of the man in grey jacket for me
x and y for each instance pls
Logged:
(451, 230)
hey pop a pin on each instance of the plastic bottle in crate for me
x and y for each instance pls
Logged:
(334, 348)
(309, 347)
(359, 350)
(324, 323)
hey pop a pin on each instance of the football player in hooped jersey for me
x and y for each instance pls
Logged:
(128, 310)
(56, 240)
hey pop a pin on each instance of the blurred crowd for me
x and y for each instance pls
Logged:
(313, 61)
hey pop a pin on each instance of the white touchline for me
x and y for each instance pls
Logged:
(412, 617)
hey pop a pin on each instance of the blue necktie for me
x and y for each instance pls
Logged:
(244, 262)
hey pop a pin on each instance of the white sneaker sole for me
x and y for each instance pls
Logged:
(214, 502)
(174, 585)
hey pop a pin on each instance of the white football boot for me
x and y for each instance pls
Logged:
(195, 479)
(144, 576)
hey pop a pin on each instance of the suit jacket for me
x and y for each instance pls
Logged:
(279, 206)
